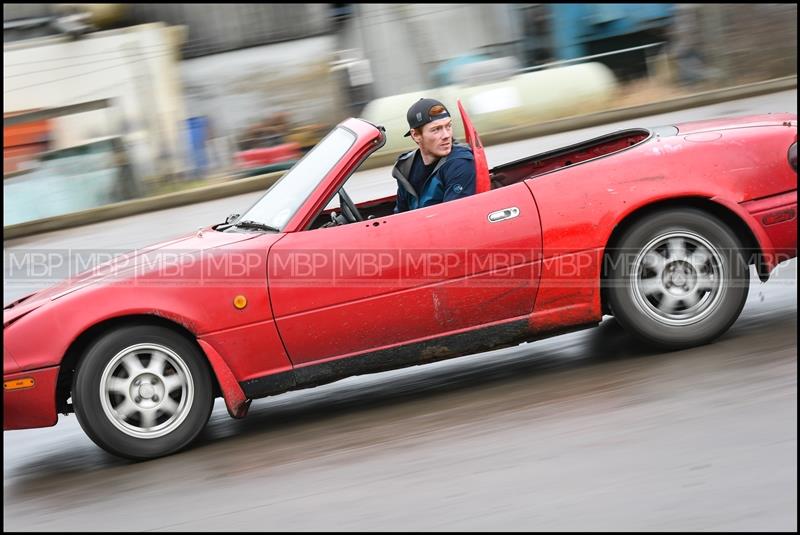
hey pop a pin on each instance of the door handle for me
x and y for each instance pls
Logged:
(502, 215)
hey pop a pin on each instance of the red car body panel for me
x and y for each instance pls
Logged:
(31, 407)
(366, 275)
(777, 216)
(581, 205)
(189, 282)
(746, 121)
(369, 287)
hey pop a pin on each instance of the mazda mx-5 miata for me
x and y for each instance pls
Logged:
(655, 226)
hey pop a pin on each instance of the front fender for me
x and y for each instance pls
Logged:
(43, 337)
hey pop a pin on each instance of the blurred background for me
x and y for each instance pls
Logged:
(109, 102)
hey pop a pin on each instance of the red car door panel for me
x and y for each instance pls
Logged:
(393, 280)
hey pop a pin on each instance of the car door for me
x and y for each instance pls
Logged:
(408, 277)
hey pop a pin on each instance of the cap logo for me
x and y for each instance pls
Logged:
(419, 116)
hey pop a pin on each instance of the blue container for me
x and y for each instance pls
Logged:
(198, 134)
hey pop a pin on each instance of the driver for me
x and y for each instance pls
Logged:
(439, 170)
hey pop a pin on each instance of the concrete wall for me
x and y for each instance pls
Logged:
(217, 28)
(213, 28)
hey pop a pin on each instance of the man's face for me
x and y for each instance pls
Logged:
(436, 138)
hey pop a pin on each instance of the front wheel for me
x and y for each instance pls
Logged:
(142, 392)
(677, 278)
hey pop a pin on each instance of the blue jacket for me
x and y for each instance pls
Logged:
(452, 178)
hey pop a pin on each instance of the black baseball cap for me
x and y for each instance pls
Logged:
(419, 113)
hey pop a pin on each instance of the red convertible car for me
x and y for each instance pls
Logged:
(655, 226)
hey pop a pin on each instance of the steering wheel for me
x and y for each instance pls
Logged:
(349, 210)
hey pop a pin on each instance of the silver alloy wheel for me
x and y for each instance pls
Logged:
(677, 278)
(146, 390)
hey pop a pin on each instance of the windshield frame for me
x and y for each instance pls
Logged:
(371, 139)
(294, 207)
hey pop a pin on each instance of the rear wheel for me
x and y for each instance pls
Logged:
(142, 392)
(678, 278)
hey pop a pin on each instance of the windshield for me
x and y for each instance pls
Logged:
(285, 197)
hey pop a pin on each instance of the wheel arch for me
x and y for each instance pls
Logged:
(78, 347)
(752, 247)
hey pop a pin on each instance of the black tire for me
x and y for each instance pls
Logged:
(158, 415)
(661, 289)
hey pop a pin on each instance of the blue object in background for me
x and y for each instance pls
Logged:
(65, 181)
(198, 133)
(575, 26)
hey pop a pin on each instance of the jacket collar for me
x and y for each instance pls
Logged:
(402, 168)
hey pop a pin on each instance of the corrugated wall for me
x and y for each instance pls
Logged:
(212, 28)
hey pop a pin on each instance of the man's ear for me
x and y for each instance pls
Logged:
(416, 135)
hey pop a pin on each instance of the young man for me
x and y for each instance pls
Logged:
(439, 170)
